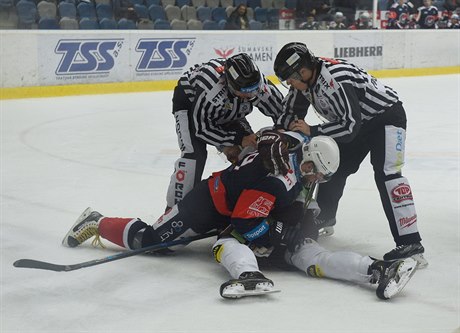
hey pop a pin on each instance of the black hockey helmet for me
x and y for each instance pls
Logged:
(291, 58)
(242, 74)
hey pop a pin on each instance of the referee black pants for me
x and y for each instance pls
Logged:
(372, 139)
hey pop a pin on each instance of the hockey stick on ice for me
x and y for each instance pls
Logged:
(30, 263)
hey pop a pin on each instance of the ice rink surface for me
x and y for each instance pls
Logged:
(115, 153)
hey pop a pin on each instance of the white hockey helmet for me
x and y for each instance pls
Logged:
(324, 153)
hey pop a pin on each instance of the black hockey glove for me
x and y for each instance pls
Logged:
(282, 234)
(273, 148)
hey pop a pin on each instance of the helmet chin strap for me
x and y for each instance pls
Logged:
(308, 82)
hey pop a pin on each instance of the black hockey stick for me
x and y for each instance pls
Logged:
(30, 263)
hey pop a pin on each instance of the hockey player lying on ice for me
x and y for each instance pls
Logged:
(257, 198)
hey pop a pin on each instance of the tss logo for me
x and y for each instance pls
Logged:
(87, 56)
(163, 54)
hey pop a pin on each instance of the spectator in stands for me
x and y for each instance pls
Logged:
(452, 5)
(319, 9)
(124, 9)
(310, 24)
(347, 7)
(454, 22)
(313, 14)
(444, 20)
(398, 17)
(362, 23)
(238, 19)
(427, 16)
(322, 9)
(304, 9)
(338, 23)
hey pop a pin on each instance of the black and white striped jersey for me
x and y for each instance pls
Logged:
(345, 96)
(214, 106)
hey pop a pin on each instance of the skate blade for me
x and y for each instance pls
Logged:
(421, 261)
(237, 290)
(326, 231)
(83, 216)
(405, 272)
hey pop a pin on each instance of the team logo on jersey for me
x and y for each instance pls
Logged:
(401, 193)
(404, 18)
(430, 20)
(92, 56)
(323, 103)
(163, 54)
(261, 207)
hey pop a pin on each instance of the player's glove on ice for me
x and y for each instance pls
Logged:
(282, 234)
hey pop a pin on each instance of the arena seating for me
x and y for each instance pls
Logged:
(147, 14)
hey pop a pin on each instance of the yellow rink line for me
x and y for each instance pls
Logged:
(148, 86)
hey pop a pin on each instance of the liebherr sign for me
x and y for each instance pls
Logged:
(363, 49)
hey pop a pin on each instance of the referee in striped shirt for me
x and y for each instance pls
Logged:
(363, 115)
(210, 105)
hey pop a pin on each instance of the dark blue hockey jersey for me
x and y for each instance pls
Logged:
(427, 17)
(248, 193)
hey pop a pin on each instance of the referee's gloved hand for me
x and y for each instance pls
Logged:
(273, 148)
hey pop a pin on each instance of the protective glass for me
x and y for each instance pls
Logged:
(246, 92)
(293, 76)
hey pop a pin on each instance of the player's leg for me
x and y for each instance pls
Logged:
(242, 265)
(389, 276)
(196, 214)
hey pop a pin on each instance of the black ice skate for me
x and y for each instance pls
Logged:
(248, 284)
(414, 251)
(84, 228)
(391, 276)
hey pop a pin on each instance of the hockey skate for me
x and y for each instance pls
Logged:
(84, 228)
(414, 251)
(391, 276)
(248, 284)
(325, 227)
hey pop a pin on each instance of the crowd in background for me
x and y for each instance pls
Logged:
(399, 14)
(239, 15)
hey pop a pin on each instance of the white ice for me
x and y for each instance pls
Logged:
(116, 152)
